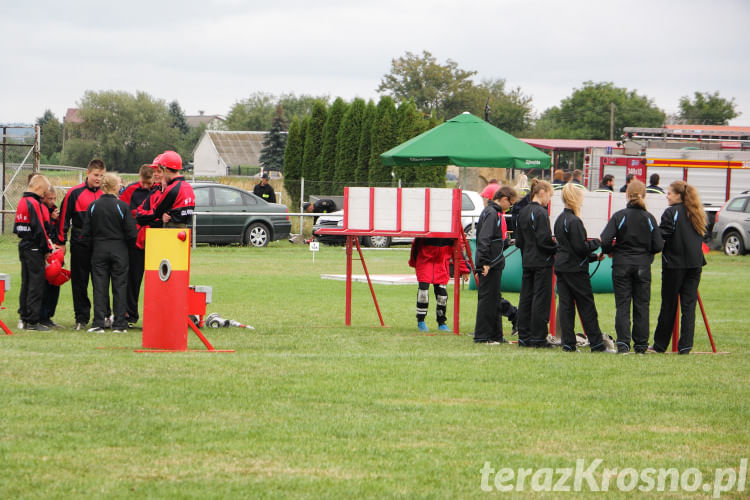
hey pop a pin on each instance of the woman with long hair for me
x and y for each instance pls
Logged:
(633, 237)
(534, 239)
(490, 261)
(574, 252)
(683, 225)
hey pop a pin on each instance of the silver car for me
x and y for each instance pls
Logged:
(731, 232)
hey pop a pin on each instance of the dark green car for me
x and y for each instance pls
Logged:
(256, 230)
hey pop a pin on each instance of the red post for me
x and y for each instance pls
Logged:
(348, 317)
(456, 284)
(553, 308)
(705, 321)
(367, 275)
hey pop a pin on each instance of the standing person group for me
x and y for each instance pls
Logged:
(631, 237)
(105, 241)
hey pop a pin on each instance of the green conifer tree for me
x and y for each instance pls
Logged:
(274, 143)
(347, 146)
(313, 146)
(384, 137)
(361, 173)
(328, 152)
(293, 162)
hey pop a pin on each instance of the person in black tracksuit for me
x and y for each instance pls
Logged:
(682, 226)
(134, 195)
(633, 236)
(264, 190)
(490, 261)
(30, 225)
(574, 253)
(72, 213)
(534, 238)
(109, 229)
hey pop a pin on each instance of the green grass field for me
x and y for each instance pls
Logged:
(307, 407)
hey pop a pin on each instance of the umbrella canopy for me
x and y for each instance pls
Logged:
(466, 141)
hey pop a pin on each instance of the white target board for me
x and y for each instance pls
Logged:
(393, 211)
(598, 208)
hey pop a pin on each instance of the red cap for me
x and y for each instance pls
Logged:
(170, 160)
(155, 163)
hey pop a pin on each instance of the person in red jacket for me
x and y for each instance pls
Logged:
(72, 214)
(175, 206)
(135, 195)
(31, 224)
(431, 258)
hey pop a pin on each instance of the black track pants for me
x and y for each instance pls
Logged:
(682, 283)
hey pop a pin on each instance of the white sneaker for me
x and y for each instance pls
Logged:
(108, 321)
(119, 330)
(96, 329)
(20, 324)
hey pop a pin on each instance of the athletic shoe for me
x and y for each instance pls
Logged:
(131, 325)
(49, 324)
(80, 326)
(606, 350)
(108, 321)
(36, 327)
(488, 342)
(422, 326)
(20, 324)
(96, 329)
(119, 330)
(444, 328)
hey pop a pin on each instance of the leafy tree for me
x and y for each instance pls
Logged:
(274, 143)
(257, 111)
(348, 145)
(586, 113)
(509, 110)
(79, 152)
(361, 172)
(707, 109)
(178, 117)
(293, 160)
(328, 151)
(254, 113)
(51, 136)
(127, 130)
(384, 136)
(314, 142)
(422, 79)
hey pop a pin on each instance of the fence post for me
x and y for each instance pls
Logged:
(301, 205)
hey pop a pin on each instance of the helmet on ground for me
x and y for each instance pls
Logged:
(170, 160)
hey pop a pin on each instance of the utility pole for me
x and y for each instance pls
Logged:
(611, 121)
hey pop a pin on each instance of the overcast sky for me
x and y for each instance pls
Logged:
(208, 54)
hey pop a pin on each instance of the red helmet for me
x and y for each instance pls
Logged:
(58, 255)
(60, 279)
(155, 163)
(170, 160)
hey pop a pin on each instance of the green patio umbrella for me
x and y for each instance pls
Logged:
(466, 141)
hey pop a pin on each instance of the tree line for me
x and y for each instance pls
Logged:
(126, 130)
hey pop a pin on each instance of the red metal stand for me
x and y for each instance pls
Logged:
(676, 327)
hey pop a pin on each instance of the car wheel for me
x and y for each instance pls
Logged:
(377, 241)
(256, 235)
(732, 244)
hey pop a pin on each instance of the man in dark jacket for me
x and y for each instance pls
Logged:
(109, 229)
(265, 190)
(134, 195)
(322, 206)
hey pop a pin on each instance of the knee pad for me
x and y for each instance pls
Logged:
(423, 296)
(442, 300)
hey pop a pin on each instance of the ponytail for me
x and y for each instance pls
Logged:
(636, 194)
(537, 186)
(692, 201)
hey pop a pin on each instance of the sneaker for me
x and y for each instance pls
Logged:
(444, 328)
(80, 326)
(488, 342)
(108, 321)
(20, 324)
(606, 350)
(422, 326)
(119, 330)
(36, 327)
(96, 329)
(49, 324)
(131, 325)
